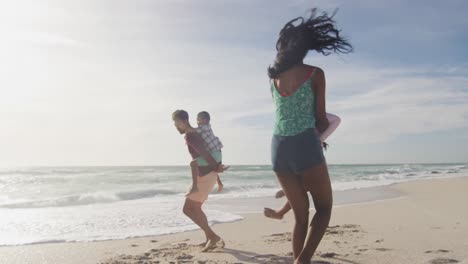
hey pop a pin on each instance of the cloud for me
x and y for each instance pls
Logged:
(381, 104)
(402, 105)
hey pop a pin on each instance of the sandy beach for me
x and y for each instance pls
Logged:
(426, 223)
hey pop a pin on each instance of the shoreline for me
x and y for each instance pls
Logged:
(425, 217)
(255, 205)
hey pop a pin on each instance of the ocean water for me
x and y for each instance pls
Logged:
(55, 204)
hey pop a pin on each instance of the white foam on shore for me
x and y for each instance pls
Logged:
(99, 222)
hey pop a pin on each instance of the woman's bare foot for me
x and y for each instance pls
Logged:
(268, 212)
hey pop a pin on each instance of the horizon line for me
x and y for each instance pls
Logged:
(182, 165)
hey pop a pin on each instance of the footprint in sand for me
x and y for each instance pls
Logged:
(443, 261)
(343, 229)
(174, 253)
(270, 258)
(281, 237)
(383, 249)
(328, 255)
(438, 251)
(184, 256)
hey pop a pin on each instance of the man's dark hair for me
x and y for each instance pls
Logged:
(180, 115)
(204, 115)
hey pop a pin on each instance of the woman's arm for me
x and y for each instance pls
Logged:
(321, 121)
(333, 121)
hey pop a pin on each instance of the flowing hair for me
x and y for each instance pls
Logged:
(318, 32)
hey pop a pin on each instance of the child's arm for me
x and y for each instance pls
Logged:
(334, 121)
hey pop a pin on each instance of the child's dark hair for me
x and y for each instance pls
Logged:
(317, 33)
(204, 115)
(180, 115)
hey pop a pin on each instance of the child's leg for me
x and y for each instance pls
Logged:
(220, 184)
(218, 180)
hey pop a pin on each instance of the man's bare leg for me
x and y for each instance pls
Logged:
(194, 211)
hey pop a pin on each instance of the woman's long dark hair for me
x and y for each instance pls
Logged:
(317, 33)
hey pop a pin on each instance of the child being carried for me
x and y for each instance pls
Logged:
(213, 145)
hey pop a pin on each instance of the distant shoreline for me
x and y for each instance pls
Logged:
(232, 165)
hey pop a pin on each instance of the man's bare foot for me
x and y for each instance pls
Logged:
(220, 187)
(268, 212)
(213, 244)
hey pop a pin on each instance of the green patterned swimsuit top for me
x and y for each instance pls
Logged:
(294, 113)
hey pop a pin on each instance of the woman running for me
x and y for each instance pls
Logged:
(299, 97)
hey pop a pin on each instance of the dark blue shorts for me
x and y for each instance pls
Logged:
(295, 154)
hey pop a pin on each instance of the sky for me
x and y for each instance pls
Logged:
(94, 82)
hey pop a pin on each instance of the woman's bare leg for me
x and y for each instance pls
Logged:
(299, 201)
(317, 182)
